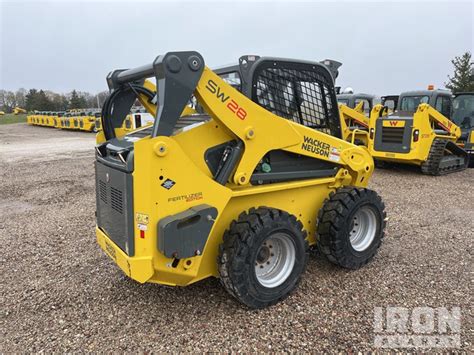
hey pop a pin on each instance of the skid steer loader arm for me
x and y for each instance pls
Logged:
(435, 116)
(262, 131)
(179, 75)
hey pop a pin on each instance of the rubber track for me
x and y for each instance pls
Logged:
(436, 155)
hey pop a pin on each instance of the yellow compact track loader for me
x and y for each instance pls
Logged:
(420, 133)
(18, 110)
(242, 194)
(363, 103)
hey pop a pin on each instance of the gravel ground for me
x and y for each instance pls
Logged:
(60, 292)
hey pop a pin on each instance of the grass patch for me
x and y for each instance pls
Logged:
(11, 118)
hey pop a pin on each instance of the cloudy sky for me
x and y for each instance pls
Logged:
(385, 47)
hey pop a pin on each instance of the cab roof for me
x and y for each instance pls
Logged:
(425, 92)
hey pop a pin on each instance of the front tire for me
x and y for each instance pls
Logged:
(263, 256)
(351, 227)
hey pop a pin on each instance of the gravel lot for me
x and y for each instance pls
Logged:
(60, 292)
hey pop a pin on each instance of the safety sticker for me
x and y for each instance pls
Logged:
(142, 227)
(335, 154)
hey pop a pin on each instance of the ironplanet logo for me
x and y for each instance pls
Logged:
(315, 146)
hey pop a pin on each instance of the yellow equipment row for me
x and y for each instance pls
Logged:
(87, 121)
(83, 121)
(18, 110)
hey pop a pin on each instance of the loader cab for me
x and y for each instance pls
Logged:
(299, 91)
(440, 100)
(463, 116)
(390, 102)
(231, 75)
(463, 110)
(352, 100)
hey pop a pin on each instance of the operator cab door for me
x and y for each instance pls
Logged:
(297, 91)
(443, 105)
(301, 92)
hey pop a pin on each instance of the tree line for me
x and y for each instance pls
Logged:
(45, 100)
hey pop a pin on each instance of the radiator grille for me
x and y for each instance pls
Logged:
(115, 206)
(392, 135)
(103, 191)
(116, 200)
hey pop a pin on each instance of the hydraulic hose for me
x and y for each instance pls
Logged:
(106, 114)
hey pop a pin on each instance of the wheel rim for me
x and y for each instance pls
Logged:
(275, 260)
(363, 228)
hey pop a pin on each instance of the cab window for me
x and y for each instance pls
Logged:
(443, 105)
(366, 102)
(463, 111)
(411, 103)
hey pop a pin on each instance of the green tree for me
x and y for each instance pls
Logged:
(77, 100)
(463, 78)
(43, 103)
(31, 100)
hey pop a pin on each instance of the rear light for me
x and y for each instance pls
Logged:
(372, 131)
(416, 135)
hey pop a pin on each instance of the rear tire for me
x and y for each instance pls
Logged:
(351, 227)
(263, 256)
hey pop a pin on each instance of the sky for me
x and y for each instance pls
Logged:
(385, 47)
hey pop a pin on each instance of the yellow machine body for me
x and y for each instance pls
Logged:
(354, 124)
(18, 110)
(88, 122)
(424, 127)
(74, 121)
(52, 116)
(180, 157)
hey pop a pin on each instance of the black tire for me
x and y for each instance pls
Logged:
(243, 243)
(336, 223)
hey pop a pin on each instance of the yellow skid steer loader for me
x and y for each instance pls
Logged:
(242, 195)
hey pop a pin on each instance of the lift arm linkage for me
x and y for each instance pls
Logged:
(262, 131)
(442, 121)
